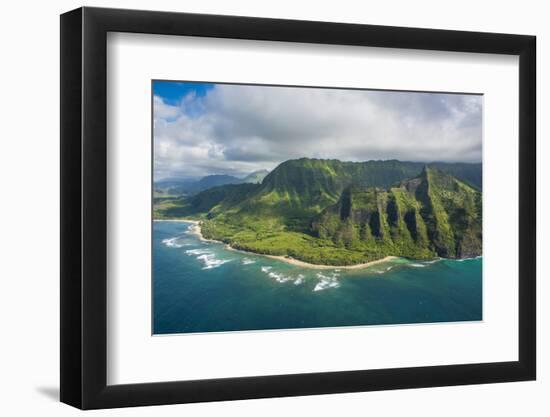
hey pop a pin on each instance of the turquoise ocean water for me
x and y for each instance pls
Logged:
(204, 287)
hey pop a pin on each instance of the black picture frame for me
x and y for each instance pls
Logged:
(84, 207)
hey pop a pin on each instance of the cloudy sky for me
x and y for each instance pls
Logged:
(202, 129)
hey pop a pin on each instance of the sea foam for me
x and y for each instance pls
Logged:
(383, 271)
(210, 261)
(193, 252)
(207, 258)
(469, 259)
(282, 278)
(248, 261)
(299, 279)
(173, 242)
(279, 277)
(327, 281)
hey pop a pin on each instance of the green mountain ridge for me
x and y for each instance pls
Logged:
(342, 213)
(432, 213)
(256, 177)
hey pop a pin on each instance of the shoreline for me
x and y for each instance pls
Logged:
(176, 220)
(196, 230)
(297, 262)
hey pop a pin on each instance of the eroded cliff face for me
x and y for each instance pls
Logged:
(431, 214)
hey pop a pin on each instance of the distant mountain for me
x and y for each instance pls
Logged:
(170, 187)
(339, 213)
(255, 177)
(214, 180)
(208, 202)
(176, 180)
(176, 187)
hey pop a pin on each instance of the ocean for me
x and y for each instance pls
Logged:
(204, 287)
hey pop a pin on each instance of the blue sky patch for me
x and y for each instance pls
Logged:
(172, 92)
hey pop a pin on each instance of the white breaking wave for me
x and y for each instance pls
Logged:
(433, 261)
(279, 277)
(248, 261)
(209, 260)
(193, 252)
(282, 278)
(173, 242)
(469, 259)
(418, 265)
(383, 271)
(327, 281)
(299, 280)
(192, 230)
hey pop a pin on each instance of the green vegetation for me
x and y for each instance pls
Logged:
(432, 214)
(344, 213)
(256, 177)
(205, 204)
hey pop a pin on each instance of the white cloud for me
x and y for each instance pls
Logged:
(163, 111)
(238, 129)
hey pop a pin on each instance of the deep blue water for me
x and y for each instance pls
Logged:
(204, 287)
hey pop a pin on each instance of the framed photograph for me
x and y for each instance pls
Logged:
(258, 208)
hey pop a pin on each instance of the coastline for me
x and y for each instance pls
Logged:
(303, 264)
(196, 230)
(176, 220)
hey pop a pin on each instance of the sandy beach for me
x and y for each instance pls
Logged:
(303, 264)
(196, 230)
(176, 220)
